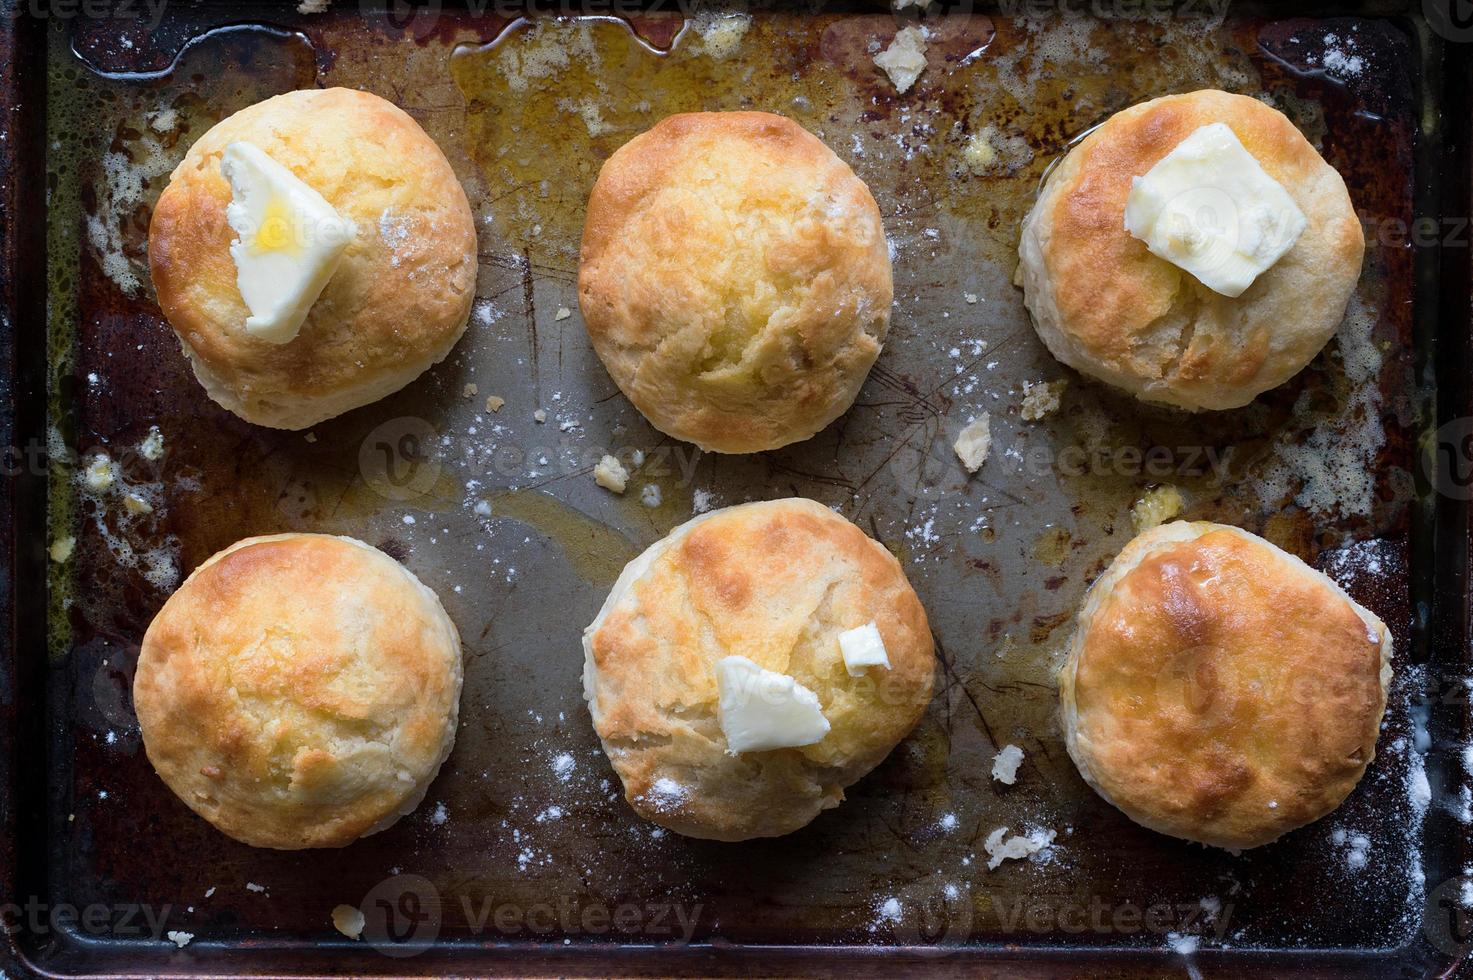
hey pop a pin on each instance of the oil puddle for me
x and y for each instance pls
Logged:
(596, 552)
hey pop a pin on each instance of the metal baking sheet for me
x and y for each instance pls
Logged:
(524, 857)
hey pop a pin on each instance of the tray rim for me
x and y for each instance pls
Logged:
(1444, 278)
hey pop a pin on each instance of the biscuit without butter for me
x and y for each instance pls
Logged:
(777, 583)
(299, 690)
(734, 279)
(1220, 690)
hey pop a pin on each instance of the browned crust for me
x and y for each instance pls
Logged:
(1222, 692)
(775, 582)
(1108, 307)
(396, 305)
(299, 690)
(735, 279)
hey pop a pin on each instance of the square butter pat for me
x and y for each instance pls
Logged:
(762, 710)
(863, 648)
(1208, 208)
(289, 241)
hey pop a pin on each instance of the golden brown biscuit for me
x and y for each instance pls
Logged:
(735, 279)
(775, 582)
(299, 690)
(397, 303)
(1106, 306)
(1219, 689)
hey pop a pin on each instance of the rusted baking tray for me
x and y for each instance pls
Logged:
(523, 858)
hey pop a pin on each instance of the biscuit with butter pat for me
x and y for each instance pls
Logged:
(1107, 303)
(390, 305)
(760, 592)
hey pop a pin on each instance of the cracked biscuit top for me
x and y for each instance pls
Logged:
(775, 582)
(1106, 306)
(735, 279)
(299, 690)
(397, 303)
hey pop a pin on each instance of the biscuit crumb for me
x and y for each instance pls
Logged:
(1015, 848)
(1156, 506)
(970, 297)
(539, 416)
(650, 495)
(904, 59)
(179, 938)
(313, 6)
(348, 920)
(251, 886)
(152, 446)
(135, 504)
(611, 474)
(1041, 398)
(562, 313)
(989, 153)
(310, 437)
(1005, 764)
(494, 403)
(99, 472)
(61, 549)
(469, 391)
(722, 33)
(974, 443)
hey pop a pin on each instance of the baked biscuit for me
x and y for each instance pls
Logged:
(397, 303)
(735, 279)
(775, 582)
(1220, 690)
(299, 690)
(1107, 307)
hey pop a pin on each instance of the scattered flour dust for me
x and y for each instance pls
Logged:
(1357, 847)
(666, 795)
(887, 911)
(1333, 469)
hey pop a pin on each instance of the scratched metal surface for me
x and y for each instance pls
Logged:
(526, 810)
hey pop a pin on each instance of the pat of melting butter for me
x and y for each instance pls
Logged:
(290, 241)
(760, 709)
(863, 647)
(1208, 208)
